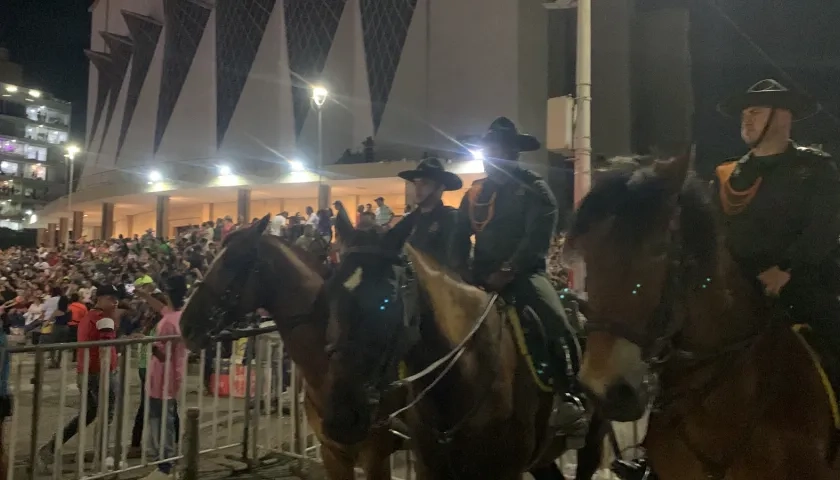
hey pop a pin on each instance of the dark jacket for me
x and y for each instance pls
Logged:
(513, 219)
(790, 221)
(430, 232)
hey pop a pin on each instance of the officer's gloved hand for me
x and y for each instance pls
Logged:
(633, 470)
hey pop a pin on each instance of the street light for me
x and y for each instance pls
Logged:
(477, 154)
(297, 166)
(319, 98)
(225, 171)
(155, 176)
(35, 94)
(72, 150)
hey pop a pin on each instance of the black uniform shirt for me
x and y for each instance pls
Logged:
(792, 221)
(430, 232)
(517, 227)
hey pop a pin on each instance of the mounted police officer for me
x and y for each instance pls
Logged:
(430, 225)
(513, 214)
(780, 204)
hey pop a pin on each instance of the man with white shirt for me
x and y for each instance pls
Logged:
(383, 212)
(278, 223)
(311, 217)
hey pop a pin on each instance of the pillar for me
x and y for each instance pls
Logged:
(106, 229)
(63, 230)
(243, 206)
(97, 233)
(42, 236)
(51, 230)
(323, 196)
(162, 217)
(78, 225)
(129, 226)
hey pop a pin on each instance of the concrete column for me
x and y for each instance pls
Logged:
(410, 194)
(162, 217)
(129, 225)
(207, 212)
(97, 233)
(78, 225)
(51, 230)
(41, 239)
(63, 230)
(323, 196)
(106, 229)
(243, 206)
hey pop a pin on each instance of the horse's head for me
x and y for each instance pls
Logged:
(636, 232)
(251, 271)
(365, 332)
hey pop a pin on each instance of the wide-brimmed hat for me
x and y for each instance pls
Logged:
(503, 132)
(432, 168)
(771, 93)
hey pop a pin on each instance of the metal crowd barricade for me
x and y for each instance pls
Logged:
(254, 415)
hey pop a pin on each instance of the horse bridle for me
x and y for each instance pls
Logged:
(656, 341)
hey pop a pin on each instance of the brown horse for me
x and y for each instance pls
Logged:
(474, 410)
(738, 396)
(262, 271)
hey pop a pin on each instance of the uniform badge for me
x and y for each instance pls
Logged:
(433, 227)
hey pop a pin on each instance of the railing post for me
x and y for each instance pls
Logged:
(192, 445)
(120, 399)
(37, 395)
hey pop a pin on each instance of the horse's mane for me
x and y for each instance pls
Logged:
(635, 201)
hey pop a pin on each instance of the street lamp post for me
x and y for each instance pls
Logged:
(319, 98)
(72, 150)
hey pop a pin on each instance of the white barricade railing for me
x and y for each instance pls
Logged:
(252, 413)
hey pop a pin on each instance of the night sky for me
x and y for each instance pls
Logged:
(800, 36)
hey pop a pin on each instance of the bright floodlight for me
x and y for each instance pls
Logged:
(225, 171)
(72, 150)
(155, 176)
(319, 95)
(34, 94)
(11, 88)
(477, 154)
(29, 212)
(297, 165)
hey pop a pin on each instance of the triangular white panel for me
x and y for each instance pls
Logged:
(362, 118)
(190, 135)
(341, 104)
(108, 153)
(263, 123)
(406, 115)
(140, 139)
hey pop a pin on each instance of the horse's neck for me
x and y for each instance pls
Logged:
(722, 310)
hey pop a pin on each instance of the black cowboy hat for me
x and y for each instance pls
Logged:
(432, 168)
(770, 93)
(503, 132)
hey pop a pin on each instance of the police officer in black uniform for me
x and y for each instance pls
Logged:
(430, 225)
(513, 214)
(780, 204)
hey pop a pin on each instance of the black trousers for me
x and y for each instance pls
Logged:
(812, 303)
(536, 291)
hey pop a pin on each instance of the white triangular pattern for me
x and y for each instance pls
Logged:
(362, 116)
(190, 135)
(338, 112)
(405, 119)
(263, 123)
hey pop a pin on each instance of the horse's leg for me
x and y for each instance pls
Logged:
(375, 462)
(337, 465)
(548, 472)
(589, 457)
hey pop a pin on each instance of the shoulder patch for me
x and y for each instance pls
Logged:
(812, 151)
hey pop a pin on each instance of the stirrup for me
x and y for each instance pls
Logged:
(568, 416)
(633, 469)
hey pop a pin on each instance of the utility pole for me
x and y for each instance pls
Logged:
(583, 108)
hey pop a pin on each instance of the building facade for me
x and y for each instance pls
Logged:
(34, 130)
(183, 87)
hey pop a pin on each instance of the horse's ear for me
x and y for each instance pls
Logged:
(262, 224)
(343, 227)
(675, 169)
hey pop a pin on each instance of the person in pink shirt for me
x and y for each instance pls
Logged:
(165, 376)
